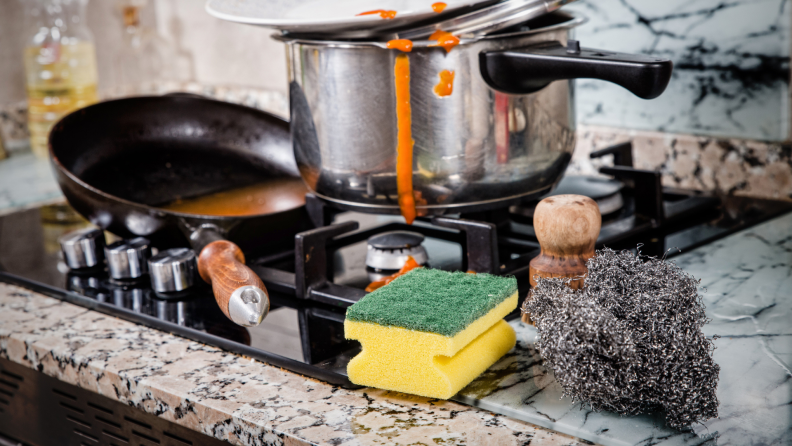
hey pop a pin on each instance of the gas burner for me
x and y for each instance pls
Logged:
(605, 191)
(389, 250)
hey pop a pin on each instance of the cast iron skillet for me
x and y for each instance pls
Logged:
(116, 161)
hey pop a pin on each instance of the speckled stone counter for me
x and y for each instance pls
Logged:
(228, 396)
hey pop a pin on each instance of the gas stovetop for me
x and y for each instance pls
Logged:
(313, 281)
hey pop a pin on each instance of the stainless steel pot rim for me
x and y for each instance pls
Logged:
(394, 209)
(575, 20)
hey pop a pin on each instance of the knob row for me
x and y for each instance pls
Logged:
(170, 270)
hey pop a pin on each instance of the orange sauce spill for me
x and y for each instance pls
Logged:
(276, 195)
(445, 39)
(385, 14)
(438, 7)
(446, 85)
(403, 45)
(404, 149)
(409, 265)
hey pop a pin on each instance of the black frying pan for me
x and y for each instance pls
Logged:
(117, 161)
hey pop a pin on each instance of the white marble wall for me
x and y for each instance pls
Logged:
(731, 76)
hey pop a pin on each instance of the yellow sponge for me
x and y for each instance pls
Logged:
(431, 332)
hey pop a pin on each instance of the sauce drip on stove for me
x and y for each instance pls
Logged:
(403, 45)
(276, 195)
(438, 7)
(385, 14)
(404, 149)
(446, 85)
(409, 265)
(445, 39)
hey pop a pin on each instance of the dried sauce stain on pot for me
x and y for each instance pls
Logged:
(385, 14)
(404, 149)
(446, 85)
(402, 45)
(438, 7)
(445, 39)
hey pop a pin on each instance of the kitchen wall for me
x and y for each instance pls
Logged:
(731, 58)
(224, 53)
(734, 166)
(723, 124)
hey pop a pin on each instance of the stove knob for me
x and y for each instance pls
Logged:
(172, 270)
(128, 259)
(83, 248)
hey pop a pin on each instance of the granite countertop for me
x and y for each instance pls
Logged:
(228, 396)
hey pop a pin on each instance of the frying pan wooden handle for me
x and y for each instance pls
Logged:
(239, 292)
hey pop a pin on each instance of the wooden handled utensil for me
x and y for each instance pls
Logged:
(567, 227)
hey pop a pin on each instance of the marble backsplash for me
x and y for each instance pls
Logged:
(731, 65)
(728, 166)
(725, 165)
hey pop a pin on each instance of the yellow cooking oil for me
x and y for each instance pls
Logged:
(61, 77)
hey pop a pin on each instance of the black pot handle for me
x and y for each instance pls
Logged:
(529, 69)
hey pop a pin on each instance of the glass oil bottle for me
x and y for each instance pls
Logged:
(60, 66)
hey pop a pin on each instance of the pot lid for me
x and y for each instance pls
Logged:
(340, 18)
(549, 22)
(487, 19)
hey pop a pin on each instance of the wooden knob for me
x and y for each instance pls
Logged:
(567, 227)
(239, 292)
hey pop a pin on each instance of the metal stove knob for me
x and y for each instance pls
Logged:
(83, 248)
(389, 250)
(172, 270)
(128, 259)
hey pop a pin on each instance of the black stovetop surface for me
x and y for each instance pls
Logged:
(304, 330)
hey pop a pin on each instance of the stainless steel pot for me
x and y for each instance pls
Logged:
(506, 132)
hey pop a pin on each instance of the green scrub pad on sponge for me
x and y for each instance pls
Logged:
(431, 332)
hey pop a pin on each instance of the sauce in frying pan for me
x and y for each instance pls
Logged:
(276, 195)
